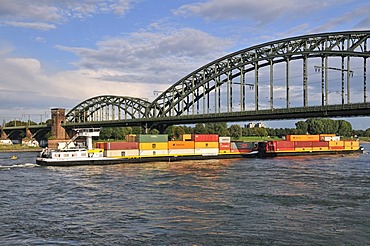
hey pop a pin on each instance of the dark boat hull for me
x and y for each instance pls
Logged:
(305, 153)
(111, 161)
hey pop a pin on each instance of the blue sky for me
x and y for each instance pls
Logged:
(57, 53)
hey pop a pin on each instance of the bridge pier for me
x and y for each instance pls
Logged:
(3, 136)
(28, 133)
(58, 117)
(58, 133)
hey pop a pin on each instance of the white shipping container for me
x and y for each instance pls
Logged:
(330, 138)
(208, 151)
(180, 151)
(157, 152)
(224, 139)
(122, 152)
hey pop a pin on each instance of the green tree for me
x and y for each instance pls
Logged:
(367, 132)
(137, 130)
(315, 126)
(344, 128)
(106, 133)
(174, 131)
(261, 132)
(222, 129)
(200, 129)
(302, 127)
(235, 131)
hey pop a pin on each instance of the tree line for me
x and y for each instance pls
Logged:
(311, 126)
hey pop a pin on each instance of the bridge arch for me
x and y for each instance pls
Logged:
(213, 88)
(108, 107)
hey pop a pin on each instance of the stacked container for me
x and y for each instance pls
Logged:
(351, 145)
(153, 145)
(283, 145)
(119, 149)
(180, 147)
(335, 145)
(205, 144)
(224, 145)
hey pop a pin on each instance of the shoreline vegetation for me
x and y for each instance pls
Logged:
(18, 148)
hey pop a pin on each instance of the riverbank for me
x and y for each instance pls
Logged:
(19, 148)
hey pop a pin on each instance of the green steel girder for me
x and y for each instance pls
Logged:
(103, 107)
(185, 93)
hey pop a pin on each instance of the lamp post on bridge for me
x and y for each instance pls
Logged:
(324, 76)
(29, 117)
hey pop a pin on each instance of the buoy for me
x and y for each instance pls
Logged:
(13, 157)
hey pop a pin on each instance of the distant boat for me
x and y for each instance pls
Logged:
(14, 157)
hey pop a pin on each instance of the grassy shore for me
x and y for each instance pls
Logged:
(18, 148)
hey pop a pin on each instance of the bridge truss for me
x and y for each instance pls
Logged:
(295, 71)
(328, 70)
(108, 108)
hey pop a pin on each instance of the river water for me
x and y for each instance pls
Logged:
(315, 200)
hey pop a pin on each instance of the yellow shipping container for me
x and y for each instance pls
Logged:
(186, 137)
(303, 149)
(180, 144)
(351, 144)
(320, 148)
(303, 137)
(327, 135)
(224, 151)
(153, 146)
(352, 148)
(205, 145)
(336, 143)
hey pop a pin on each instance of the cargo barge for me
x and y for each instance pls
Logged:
(297, 145)
(145, 148)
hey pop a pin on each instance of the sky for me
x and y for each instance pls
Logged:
(58, 53)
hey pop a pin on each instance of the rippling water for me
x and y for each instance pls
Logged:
(321, 200)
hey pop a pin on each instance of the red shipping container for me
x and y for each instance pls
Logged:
(320, 144)
(284, 144)
(121, 145)
(303, 144)
(336, 147)
(204, 137)
(99, 145)
(224, 146)
(285, 149)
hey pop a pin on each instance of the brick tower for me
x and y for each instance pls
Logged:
(58, 117)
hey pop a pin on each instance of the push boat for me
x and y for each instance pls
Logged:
(144, 148)
(297, 145)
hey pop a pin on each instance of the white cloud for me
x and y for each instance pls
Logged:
(357, 15)
(25, 79)
(33, 25)
(152, 57)
(44, 14)
(261, 11)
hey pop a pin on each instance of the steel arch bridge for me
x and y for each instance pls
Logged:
(108, 108)
(316, 75)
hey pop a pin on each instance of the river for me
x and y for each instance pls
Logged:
(312, 200)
